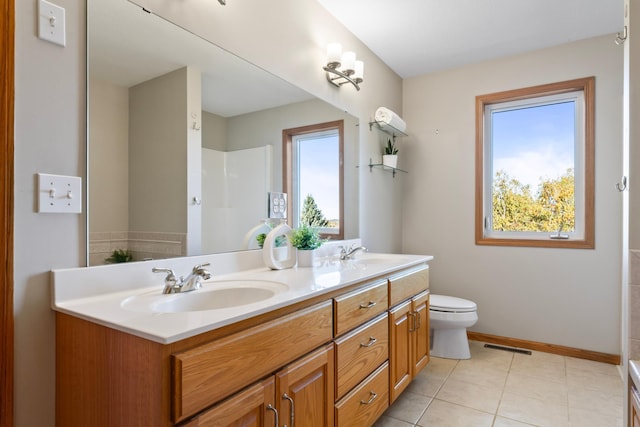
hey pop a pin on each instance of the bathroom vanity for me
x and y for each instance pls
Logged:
(334, 345)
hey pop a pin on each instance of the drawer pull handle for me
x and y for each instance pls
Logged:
(371, 304)
(293, 407)
(371, 399)
(275, 413)
(412, 321)
(371, 342)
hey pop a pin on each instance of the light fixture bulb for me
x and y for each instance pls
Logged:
(348, 62)
(358, 74)
(334, 52)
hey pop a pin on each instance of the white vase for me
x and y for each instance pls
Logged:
(306, 257)
(390, 160)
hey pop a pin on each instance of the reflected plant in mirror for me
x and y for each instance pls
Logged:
(185, 139)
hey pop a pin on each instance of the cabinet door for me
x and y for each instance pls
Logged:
(400, 327)
(305, 390)
(420, 334)
(252, 407)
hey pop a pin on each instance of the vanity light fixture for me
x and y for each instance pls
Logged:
(222, 2)
(343, 68)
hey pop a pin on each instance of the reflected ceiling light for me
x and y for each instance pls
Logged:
(343, 68)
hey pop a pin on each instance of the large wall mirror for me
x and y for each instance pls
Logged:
(185, 139)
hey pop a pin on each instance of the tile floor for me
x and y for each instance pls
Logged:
(496, 388)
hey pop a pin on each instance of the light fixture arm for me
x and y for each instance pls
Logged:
(340, 77)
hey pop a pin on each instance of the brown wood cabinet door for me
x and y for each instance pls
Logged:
(420, 336)
(305, 390)
(248, 408)
(400, 327)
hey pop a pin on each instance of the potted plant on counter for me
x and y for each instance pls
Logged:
(390, 156)
(306, 239)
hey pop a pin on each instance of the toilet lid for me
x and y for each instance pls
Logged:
(451, 304)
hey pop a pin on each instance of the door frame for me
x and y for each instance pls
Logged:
(7, 91)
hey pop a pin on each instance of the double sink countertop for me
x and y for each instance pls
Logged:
(128, 297)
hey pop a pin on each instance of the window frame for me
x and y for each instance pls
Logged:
(586, 162)
(288, 136)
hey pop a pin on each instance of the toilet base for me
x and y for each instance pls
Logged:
(450, 343)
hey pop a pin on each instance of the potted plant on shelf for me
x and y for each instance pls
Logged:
(390, 156)
(306, 240)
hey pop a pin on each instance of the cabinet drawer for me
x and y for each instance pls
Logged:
(359, 352)
(208, 373)
(364, 404)
(356, 307)
(408, 284)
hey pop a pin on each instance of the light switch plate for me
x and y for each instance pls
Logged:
(51, 22)
(277, 205)
(58, 193)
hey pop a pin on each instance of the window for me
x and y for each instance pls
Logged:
(313, 176)
(535, 166)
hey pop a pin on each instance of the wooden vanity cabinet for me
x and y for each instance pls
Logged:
(300, 394)
(305, 390)
(333, 362)
(408, 330)
(208, 373)
(253, 407)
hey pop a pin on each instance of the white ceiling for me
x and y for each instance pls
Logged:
(415, 37)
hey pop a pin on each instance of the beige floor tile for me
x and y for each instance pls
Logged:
(538, 388)
(408, 407)
(506, 422)
(607, 403)
(429, 381)
(549, 367)
(591, 366)
(533, 411)
(589, 418)
(386, 421)
(445, 414)
(482, 398)
(481, 372)
(480, 352)
(579, 378)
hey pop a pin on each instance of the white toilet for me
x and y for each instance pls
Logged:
(449, 318)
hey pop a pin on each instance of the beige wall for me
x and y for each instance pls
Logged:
(214, 131)
(109, 157)
(50, 137)
(558, 296)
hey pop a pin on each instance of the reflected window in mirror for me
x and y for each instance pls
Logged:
(313, 176)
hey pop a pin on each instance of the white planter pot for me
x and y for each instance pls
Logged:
(390, 160)
(306, 257)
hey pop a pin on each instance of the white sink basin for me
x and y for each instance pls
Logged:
(212, 296)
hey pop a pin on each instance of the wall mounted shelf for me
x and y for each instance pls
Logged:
(393, 171)
(386, 128)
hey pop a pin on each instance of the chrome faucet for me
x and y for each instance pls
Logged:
(192, 282)
(348, 252)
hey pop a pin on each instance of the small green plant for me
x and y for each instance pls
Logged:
(391, 148)
(118, 256)
(306, 238)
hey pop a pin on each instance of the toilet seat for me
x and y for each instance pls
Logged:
(450, 304)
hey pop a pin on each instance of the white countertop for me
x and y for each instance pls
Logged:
(97, 294)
